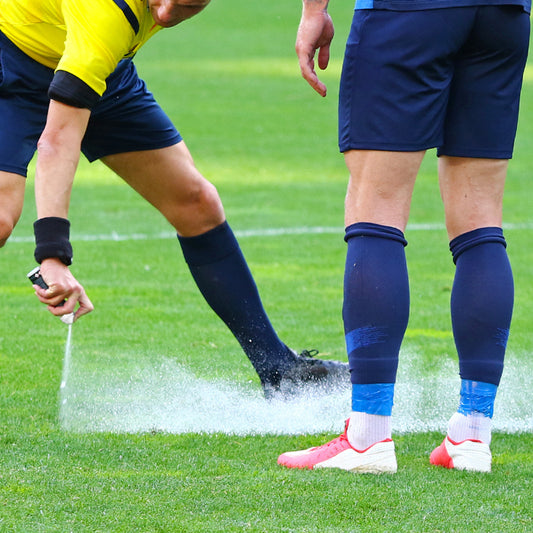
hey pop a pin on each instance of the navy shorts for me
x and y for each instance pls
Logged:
(447, 78)
(126, 119)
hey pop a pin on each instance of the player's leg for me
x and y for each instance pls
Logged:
(376, 285)
(391, 109)
(472, 192)
(11, 202)
(478, 141)
(481, 302)
(168, 179)
(375, 310)
(383, 134)
(380, 186)
(391, 103)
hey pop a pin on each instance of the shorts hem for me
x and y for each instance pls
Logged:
(385, 147)
(14, 170)
(155, 146)
(476, 154)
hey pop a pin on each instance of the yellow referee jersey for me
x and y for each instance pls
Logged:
(86, 38)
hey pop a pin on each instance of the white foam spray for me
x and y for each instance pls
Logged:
(66, 366)
(162, 395)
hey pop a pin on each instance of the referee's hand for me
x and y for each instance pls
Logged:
(62, 286)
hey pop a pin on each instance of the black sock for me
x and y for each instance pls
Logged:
(224, 279)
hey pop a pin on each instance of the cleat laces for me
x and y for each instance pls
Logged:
(308, 354)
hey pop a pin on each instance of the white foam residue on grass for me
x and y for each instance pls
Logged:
(166, 396)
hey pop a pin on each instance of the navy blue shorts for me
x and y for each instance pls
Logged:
(446, 78)
(126, 119)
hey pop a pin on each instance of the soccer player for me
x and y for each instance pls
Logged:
(68, 84)
(419, 74)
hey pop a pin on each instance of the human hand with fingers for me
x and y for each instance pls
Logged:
(63, 290)
(315, 32)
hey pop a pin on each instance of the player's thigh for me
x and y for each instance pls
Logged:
(482, 113)
(381, 186)
(472, 191)
(11, 202)
(169, 180)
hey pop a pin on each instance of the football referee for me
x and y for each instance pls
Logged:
(68, 85)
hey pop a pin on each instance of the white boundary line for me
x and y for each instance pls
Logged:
(268, 232)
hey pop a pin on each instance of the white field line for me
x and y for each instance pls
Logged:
(263, 232)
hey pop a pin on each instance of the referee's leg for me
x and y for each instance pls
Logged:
(168, 179)
(11, 202)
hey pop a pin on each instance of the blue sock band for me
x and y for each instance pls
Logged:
(376, 301)
(481, 303)
(373, 398)
(477, 397)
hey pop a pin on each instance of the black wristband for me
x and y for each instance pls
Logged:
(52, 239)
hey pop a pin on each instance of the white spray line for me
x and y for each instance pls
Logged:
(264, 232)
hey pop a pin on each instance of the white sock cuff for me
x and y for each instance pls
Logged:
(364, 430)
(470, 427)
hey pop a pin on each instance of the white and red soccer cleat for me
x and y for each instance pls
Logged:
(472, 455)
(339, 453)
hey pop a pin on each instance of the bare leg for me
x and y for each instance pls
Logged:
(168, 179)
(472, 192)
(11, 202)
(381, 185)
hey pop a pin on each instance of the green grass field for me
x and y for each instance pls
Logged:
(108, 452)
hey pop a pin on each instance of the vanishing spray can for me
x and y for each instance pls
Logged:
(35, 277)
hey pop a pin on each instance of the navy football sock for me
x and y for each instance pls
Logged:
(224, 279)
(375, 309)
(481, 303)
